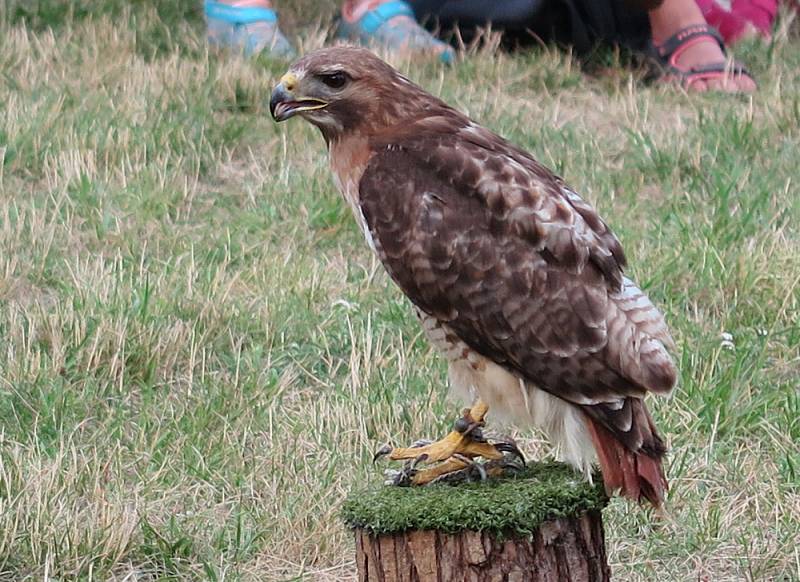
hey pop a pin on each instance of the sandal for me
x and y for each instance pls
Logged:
(378, 27)
(665, 57)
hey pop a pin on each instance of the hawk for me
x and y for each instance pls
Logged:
(514, 277)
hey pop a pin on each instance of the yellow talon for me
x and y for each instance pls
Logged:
(455, 452)
(429, 475)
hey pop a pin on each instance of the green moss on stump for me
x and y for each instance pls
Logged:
(515, 505)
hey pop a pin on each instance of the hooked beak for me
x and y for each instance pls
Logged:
(284, 104)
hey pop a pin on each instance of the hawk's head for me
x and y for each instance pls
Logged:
(346, 89)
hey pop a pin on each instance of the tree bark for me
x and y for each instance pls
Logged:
(564, 549)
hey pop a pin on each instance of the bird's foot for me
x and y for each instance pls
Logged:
(456, 457)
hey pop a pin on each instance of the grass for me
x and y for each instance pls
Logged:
(512, 505)
(198, 354)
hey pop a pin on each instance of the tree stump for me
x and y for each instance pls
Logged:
(543, 524)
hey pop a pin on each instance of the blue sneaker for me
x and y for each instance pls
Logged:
(250, 30)
(393, 25)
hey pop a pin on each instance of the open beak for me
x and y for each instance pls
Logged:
(284, 104)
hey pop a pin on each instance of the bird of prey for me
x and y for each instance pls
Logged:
(514, 277)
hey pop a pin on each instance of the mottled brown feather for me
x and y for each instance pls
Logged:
(482, 237)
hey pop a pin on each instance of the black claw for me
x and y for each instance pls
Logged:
(475, 432)
(511, 448)
(421, 443)
(382, 452)
(400, 478)
(461, 425)
(420, 459)
(463, 458)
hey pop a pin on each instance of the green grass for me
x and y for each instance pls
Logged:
(198, 354)
(513, 505)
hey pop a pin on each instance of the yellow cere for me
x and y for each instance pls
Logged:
(289, 81)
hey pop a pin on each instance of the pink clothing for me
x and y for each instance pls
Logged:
(733, 18)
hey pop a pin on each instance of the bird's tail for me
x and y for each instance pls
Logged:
(636, 475)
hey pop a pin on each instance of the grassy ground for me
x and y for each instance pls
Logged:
(198, 354)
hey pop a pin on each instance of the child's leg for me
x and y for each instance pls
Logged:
(393, 25)
(248, 26)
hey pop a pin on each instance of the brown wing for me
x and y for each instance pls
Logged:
(482, 237)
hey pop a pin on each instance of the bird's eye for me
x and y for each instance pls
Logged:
(335, 80)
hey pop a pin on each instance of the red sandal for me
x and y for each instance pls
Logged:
(665, 57)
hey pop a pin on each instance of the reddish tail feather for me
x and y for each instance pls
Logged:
(636, 475)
